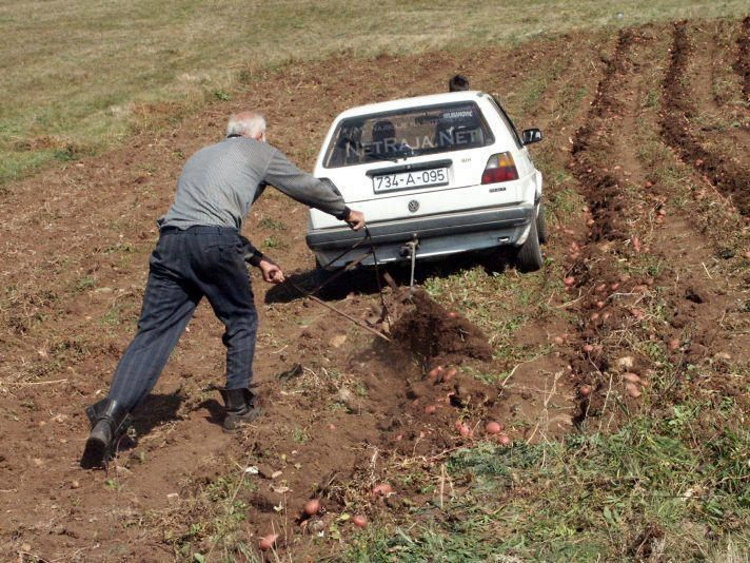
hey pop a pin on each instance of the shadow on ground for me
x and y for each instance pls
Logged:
(337, 284)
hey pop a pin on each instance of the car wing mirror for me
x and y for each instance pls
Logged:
(531, 136)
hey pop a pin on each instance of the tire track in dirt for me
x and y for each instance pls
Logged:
(731, 179)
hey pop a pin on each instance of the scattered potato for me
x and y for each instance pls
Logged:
(312, 507)
(267, 542)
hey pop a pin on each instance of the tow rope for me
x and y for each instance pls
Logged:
(350, 266)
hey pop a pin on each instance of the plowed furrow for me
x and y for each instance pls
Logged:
(730, 178)
(742, 65)
(642, 278)
(722, 120)
(603, 193)
(721, 51)
(604, 169)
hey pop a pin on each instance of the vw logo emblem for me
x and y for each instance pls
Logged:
(413, 206)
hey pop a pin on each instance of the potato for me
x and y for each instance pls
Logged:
(312, 507)
(382, 490)
(493, 427)
(267, 542)
(463, 429)
(449, 374)
(435, 372)
(360, 521)
(633, 390)
(631, 377)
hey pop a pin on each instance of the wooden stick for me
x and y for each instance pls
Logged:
(442, 484)
(26, 383)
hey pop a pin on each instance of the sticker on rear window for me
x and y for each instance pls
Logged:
(458, 114)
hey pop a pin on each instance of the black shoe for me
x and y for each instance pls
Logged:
(241, 408)
(109, 422)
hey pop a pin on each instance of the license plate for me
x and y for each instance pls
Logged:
(410, 180)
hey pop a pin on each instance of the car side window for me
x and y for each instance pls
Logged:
(507, 120)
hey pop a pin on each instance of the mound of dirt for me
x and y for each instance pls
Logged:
(436, 335)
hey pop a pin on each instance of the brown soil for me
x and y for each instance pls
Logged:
(730, 176)
(342, 407)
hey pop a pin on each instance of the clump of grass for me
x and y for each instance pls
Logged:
(271, 224)
(215, 527)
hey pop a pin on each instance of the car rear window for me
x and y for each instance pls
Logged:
(412, 132)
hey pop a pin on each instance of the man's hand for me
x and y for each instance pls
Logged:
(355, 219)
(271, 272)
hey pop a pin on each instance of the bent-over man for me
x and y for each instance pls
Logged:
(200, 253)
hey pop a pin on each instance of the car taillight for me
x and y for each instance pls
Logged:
(500, 168)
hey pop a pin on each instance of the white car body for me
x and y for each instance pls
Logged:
(455, 212)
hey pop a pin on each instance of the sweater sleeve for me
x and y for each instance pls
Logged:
(252, 255)
(304, 187)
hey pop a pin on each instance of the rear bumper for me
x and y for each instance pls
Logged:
(437, 235)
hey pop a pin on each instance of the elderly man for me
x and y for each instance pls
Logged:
(200, 253)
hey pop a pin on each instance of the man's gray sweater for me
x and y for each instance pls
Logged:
(219, 183)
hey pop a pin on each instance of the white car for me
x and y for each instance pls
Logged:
(434, 175)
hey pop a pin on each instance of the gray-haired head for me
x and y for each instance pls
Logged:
(248, 124)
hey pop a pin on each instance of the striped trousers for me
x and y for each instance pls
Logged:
(184, 267)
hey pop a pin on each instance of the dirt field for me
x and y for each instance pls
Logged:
(643, 133)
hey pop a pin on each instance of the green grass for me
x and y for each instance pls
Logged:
(78, 76)
(654, 487)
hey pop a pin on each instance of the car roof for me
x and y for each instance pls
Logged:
(417, 101)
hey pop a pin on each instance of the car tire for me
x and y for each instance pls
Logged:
(529, 256)
(541, 225)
